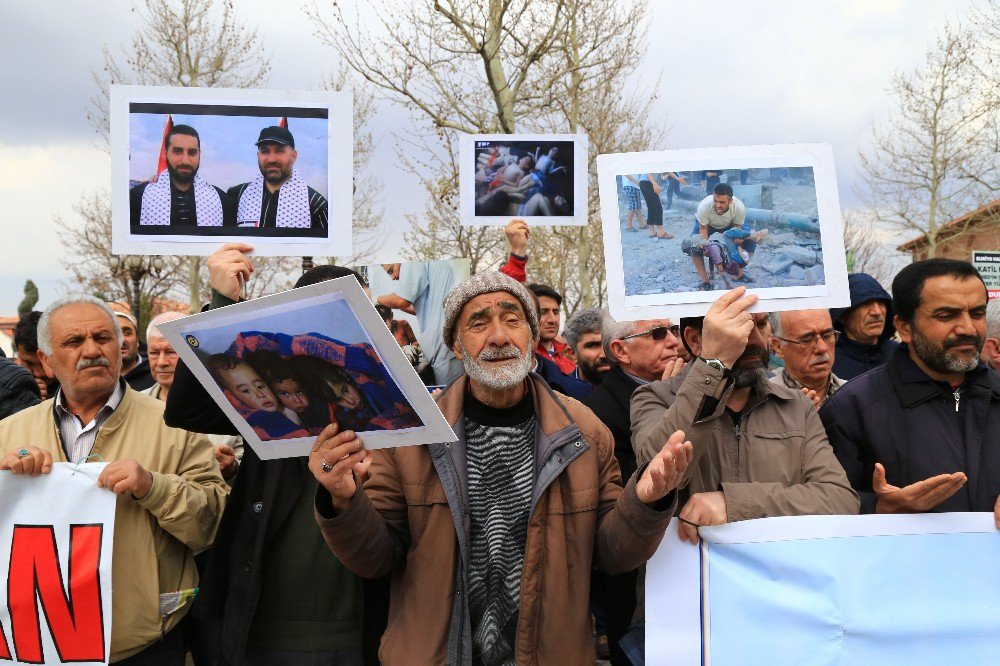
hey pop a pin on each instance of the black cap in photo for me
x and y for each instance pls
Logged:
(275, 134)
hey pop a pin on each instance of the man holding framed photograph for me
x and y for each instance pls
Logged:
(183, 198)
(260, 202)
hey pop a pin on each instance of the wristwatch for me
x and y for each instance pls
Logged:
(716, 363)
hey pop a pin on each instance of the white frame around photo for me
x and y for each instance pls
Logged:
(340, 167)
(435, 428)
(467, 181)
(832, 293)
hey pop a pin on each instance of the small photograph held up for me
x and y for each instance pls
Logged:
(682, 230)
(286, 366)
(538, 177)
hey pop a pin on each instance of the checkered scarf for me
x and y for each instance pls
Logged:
(156, 203)
(293, 203)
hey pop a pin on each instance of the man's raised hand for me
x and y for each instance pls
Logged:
(517, 235)
(664, 471)
(229, 269)
(916, 497)
(727, 326)
(332, 461)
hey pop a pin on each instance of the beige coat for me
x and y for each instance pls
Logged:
(155, 537)
(780, 464)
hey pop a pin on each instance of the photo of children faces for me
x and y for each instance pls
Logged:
(288, 386)
(286, 366)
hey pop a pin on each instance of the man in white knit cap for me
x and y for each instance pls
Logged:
(490, 539)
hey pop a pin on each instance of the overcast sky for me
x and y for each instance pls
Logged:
(733, 73)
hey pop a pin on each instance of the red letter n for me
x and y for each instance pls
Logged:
(76, 620)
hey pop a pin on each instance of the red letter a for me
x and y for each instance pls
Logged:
(76, 620)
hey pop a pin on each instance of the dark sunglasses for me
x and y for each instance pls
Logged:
(658, 333)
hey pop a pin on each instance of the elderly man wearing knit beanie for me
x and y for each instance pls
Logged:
(490, 539)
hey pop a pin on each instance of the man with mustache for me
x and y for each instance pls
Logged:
(866, 328)
(639, 352)
(804, 340)
(278, 197)
(760, 449)
(183, 198)
(171, 494)
(490, 539)
(920, 433)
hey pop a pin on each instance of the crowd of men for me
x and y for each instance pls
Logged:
(577, 442)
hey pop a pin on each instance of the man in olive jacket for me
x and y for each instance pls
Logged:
(760, 449)
(490, 539)
(171, 494)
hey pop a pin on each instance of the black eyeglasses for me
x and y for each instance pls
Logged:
(808, 342)
(658, 333)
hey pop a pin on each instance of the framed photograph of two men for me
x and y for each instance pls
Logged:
(193, 168)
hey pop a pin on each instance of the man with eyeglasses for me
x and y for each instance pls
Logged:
(639, 352)
(805, 340)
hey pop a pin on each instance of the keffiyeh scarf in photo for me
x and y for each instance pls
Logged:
(293, 204)
(156, 203)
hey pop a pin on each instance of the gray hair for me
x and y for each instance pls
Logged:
(612, 330)
(587, 320)
(993, 319)
(153, 330)
(45, 323)
(776, 329)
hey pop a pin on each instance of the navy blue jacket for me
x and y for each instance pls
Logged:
(917, 428)
(554, 377)
(854, 358)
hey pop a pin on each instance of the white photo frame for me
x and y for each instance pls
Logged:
(627, 256)
(331, 323)
(228, 122)
(479, 187)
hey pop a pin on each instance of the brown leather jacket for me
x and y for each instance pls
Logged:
(779, 463)
(411, 521)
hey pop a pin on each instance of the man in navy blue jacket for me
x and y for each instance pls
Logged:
(866, 328)
(920, 433)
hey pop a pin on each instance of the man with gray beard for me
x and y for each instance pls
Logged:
(759, 448)
(490, 539)
(920, 433)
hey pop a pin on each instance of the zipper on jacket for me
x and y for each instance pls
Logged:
(958, 398)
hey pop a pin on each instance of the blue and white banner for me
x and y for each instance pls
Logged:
(828, 590)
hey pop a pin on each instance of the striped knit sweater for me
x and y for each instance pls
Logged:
(500, 454)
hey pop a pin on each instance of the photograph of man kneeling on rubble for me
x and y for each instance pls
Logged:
(719, 229)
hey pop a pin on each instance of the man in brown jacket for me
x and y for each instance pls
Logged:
(490, 539)
(760, 449)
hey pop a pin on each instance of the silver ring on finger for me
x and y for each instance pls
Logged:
(22, 454)
(325, 466)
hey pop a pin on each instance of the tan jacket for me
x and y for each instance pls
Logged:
(780, 463)
(155, 537)
(411, 521)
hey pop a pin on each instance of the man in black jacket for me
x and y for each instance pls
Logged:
(920, 433)
(17, 388)
(866, 328)
(639, 352)
(271, 583)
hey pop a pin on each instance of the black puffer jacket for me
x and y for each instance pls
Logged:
(18, 389)
(854, 358)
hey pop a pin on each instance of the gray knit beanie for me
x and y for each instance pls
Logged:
(484, 283)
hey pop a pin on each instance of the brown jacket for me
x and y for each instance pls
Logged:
(155, 537)
(779, 464)
(411, 521)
